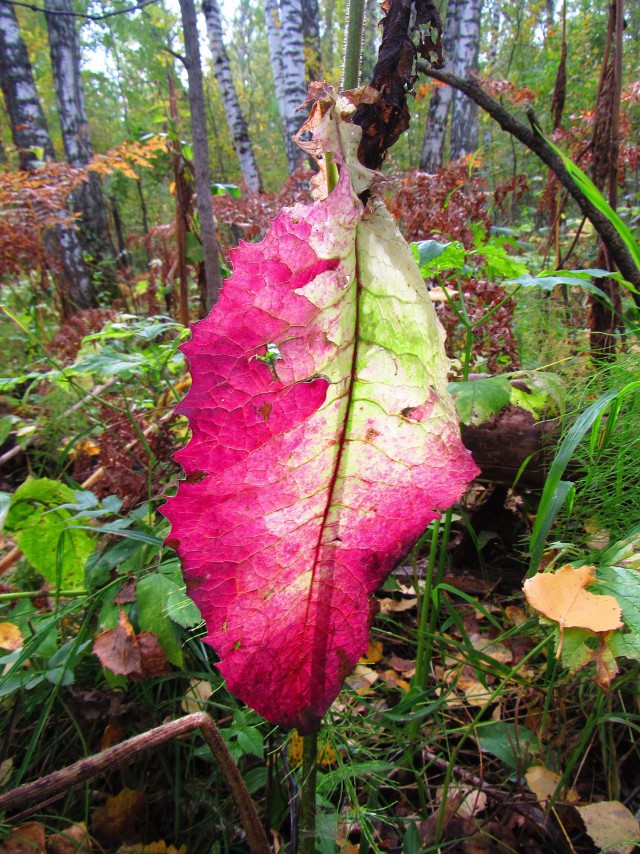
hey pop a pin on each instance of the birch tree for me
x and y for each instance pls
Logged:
(31, 137)
(464, 112)
(235, 118)
(284, 33)
(88, 199)
(432, 154)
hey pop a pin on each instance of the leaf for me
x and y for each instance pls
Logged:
(612, 826)
(508, 742)
(544, 783)
(477, 400)
(323, 440)
(152, 594)
(118, 649)
(28, 838)
(561, 596)
(121, 817)
(10, 636)
(72, 840)
(45, 534)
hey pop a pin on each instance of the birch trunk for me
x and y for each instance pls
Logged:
(202, 175)
(88, 199)
(235, 119)
(284, 33)
(464, 111)
(31, 138)
(432, 155)
(28, 124)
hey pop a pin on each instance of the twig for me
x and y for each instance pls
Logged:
(530, 136)
(77, 405)
(141, 5)
(537, 816)
(85, 769)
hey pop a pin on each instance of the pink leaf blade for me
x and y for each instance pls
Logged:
(323, 440)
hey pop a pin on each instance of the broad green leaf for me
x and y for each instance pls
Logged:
(46, 533)
(152, 593)
(477, 400)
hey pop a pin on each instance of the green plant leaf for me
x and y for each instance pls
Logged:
(510, 744)
(152, 593)
(477, 400)
(45, 532)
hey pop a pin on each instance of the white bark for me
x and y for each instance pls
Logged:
(28, 124)
(31, 137)
(88, 199)
(464, 114)
(432, 155)
(235, 119)
(65, 64)
(284, 32)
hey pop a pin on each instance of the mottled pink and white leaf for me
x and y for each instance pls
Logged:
(323, 439)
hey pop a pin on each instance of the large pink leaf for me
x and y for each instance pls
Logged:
(323, 440)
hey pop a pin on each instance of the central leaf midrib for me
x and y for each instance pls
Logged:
(343, 433)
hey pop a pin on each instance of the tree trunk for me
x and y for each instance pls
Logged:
(432, 155)
(31, 137)
(28, 124)
(284, 32)
(237, 124)
(202, 176)
(88, 199)
(311, 39)
(464, 111)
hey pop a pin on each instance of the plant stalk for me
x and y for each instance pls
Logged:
(307, 819)
(353, 44)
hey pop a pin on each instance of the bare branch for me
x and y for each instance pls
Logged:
(140, 5)
(530, 136)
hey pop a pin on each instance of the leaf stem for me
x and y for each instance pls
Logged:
(353, 44)
(307, 820)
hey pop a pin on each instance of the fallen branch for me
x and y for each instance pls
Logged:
(535, 142)
(85, 769)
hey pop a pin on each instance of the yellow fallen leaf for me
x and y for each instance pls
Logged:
(543, 783)
(326, 754)
(612, 826)
(361, 679)
(561, 596)
(6, 770)
(196, 695)
(10, 636)
(373, 653)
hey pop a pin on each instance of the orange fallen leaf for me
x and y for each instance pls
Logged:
(121, 818)
(561, 596)
(72, 840)
(373, 653)
(10, 636)
(28, 838)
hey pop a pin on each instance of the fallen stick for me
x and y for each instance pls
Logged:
(85, 769)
